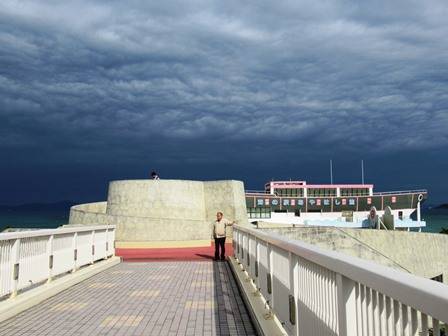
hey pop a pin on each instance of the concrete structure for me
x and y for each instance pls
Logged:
(423, 254)
(168, 213)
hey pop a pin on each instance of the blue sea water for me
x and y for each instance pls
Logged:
(35, 216)
(436, 220)
(31, 221)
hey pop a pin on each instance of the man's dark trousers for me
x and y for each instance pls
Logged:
(220, 243)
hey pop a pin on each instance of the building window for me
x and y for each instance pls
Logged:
(259, 212)
(289, 192)
(321, 192)
(354, 192)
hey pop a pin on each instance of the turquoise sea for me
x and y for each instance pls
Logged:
(436, 219)
(30, 221)
(52, 216)
(29, 216)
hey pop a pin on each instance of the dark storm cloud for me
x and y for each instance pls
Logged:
(181, 70)
(80, 77)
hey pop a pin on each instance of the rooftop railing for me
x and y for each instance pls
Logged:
(257, 192)
(384, 193)
(318, 292)
(30, 258)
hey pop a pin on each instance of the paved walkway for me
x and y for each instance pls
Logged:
(154, 298)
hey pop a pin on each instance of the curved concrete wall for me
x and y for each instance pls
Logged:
(157, 199)
(89, 213)
(225, 196)
(164, 210)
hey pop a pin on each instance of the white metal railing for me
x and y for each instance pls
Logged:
(384, 193)
(257, 192)
(318, 292)
(32, 257)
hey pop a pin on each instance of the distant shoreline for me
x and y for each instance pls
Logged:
(442, 206)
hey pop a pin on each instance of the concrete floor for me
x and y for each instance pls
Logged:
(144, 298)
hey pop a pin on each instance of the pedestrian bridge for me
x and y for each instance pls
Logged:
(68, 281)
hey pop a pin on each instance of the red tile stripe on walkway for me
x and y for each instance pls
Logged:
(187, 253)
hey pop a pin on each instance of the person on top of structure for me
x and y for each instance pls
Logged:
(154, 175)
(219, 234)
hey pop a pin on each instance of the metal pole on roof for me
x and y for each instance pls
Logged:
(362, 170)
(331, 171)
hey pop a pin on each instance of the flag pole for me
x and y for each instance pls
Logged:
(362, 171)
(331, 171)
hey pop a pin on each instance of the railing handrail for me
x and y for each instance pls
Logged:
(400, 192)
(428, 296)
(256, 192)
(49, 232)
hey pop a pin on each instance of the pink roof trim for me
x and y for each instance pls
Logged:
(339, 185)
(302, 184)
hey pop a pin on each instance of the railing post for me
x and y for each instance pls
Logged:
(270, 274)
(405, 319)
(435, 327)
(235, 237)
(248, 256)
(246, 253)
(50, 257)
(397, 320)
(107, 243)
(233, 242)
(346, 294)
(75, 252)
(15, 267)
(294, 289)
(112, 243)
(92, 243)
(238, 245)
(257, 263)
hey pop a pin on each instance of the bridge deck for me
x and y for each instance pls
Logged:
(150, 298)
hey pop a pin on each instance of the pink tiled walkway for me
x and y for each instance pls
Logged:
(155, 298)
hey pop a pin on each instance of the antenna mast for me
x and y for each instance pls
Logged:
(362, 171)
(331, 171)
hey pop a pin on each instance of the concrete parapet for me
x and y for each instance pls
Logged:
(423, 254)
(164, 210)
(228, 197)
(173, 199)
(89, 213)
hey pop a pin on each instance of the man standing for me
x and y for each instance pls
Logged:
(219, 234)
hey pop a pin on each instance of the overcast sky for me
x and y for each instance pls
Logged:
(92, 91)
